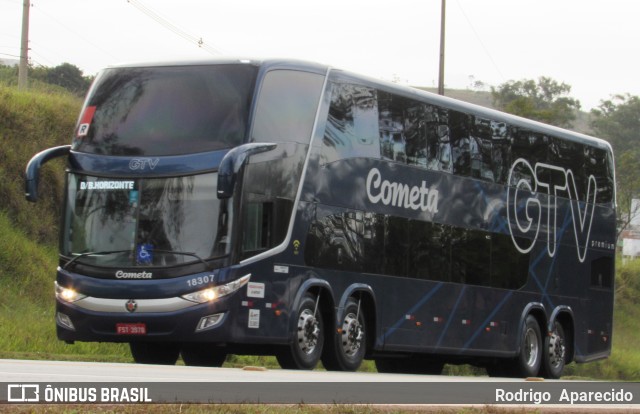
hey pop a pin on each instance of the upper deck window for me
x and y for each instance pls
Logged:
(287, 106)
(166, 110)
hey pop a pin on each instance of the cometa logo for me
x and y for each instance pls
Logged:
(133, 275)
(400, 194)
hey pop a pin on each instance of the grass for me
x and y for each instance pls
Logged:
(31, 122)
(27, 272)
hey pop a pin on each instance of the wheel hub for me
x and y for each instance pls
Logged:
(308, 332)
(556, 349)
(531, 348)
(352, 335)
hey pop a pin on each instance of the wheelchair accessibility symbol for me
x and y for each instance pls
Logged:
(144, 254)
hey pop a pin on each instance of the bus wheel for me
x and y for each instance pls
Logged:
(555, 352)
(530, 358)
(346, 346)
(203, 355)
(159, 353)
(308, 337)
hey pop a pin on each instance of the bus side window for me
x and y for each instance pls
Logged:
(461, 143)
(571, 157)
(393, 143)
(597, 164)
(531, 147)
(486, 142)
(351, 129)
(404, 129)
(500, 137)
(438, 139)
(415, 125)
(287, 106)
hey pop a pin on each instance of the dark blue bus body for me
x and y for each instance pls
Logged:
(330, 217)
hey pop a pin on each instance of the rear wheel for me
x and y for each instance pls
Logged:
(530, 358)
(308, 337)
(346, 347)
(203, 355)
(554, 352)
(159, 353)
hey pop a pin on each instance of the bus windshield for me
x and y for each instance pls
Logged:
(166, 110)
(144, 222)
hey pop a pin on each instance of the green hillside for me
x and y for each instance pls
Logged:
(33, 121)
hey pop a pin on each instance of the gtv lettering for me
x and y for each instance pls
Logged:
(525, 208)
(143, 163)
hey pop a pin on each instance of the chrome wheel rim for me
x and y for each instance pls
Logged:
(531, 349)
(352, 335)
(556, 349)
(308, 331)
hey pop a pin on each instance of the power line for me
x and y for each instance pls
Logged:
(493, 62)
(78, 35)
(173, 28)
(6, 54)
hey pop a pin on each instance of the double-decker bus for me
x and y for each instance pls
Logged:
(292, 209)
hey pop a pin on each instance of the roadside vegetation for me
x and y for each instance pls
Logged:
(44, 117)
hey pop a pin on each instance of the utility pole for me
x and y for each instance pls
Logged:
(24, 46)
(441, 71)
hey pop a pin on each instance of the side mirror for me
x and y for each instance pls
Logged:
(233, 162)
(33, 169)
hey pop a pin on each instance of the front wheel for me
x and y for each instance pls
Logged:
(159, 353)
(555, 352)
(308, 338)
(347, 345)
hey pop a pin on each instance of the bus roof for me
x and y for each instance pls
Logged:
(407, 91)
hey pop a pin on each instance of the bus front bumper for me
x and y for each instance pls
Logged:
(143, 320)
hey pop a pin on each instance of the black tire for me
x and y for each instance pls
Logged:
(528, 362)
(344, 350)
(307, 339)
(555, 352)
(410, 365)
(158, 353)
(203, 355)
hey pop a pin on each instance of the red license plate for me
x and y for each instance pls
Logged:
(131, 328)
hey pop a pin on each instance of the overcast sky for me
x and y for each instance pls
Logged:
(588, 44)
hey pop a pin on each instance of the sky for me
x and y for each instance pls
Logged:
(591, 45)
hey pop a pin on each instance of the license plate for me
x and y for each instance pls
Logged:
(131, 329)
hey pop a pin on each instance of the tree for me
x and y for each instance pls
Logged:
(545, 100)
(628, 187)
(618, 121)
(69, 77)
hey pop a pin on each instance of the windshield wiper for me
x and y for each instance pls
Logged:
(183, 254)
(104, 253)
(93, 254)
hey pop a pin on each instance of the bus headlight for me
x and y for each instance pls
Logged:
(67, 294)
(213, 293)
